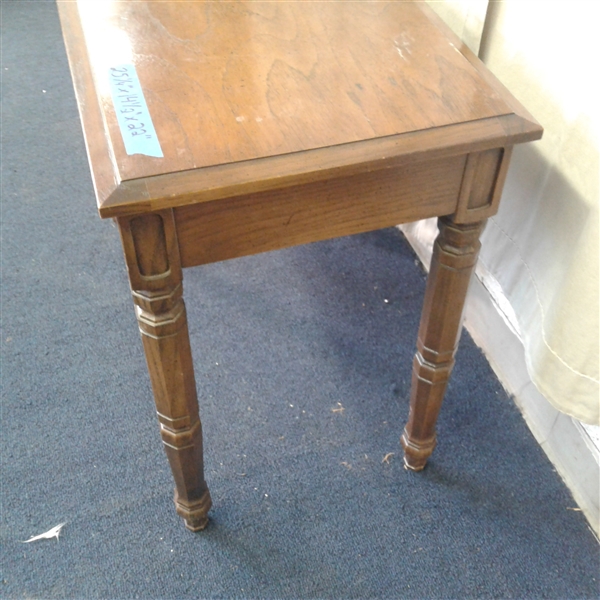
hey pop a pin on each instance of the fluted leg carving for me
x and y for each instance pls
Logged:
(454, 256)
(152, 256)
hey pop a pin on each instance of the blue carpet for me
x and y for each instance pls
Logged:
(303, 361)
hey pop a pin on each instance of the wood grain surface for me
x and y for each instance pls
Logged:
(232, 84)
(253, 223)
(227, 82)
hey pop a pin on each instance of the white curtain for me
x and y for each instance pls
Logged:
(542, 247)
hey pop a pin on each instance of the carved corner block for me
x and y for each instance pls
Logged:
(151, 251)
(482, 184)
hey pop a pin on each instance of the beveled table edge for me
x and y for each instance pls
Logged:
(259, 175)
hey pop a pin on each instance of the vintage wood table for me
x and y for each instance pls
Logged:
(220, 129)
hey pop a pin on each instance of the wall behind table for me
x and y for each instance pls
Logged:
(543, 245)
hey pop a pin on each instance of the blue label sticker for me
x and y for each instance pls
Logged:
(132, 112)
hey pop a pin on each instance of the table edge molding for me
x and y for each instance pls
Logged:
(258, 175)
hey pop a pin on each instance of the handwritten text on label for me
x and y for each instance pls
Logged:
(135, 123)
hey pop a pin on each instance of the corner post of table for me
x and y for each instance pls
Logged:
(454, 257)
(155, 274)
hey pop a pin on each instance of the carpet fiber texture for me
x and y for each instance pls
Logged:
(303, 362)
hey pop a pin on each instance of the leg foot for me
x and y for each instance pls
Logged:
(416, 453)
(195, 514)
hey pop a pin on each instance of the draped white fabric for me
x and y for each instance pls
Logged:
(542, 247)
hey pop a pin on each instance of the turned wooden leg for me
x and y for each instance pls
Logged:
(454, 256)
(152, 256)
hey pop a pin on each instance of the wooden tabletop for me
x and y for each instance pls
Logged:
(246, 96)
